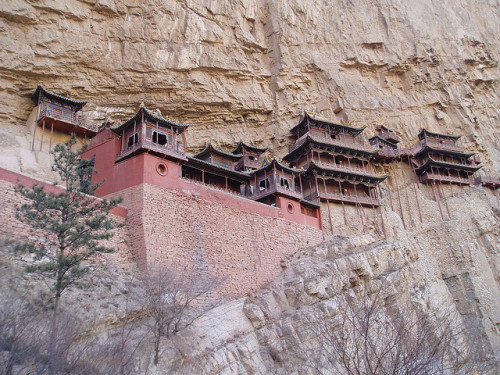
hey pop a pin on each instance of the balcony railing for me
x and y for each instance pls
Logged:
(347, 198)
(275, 189)
(437, 177)
(168, 150)
(443, 146)
(345, 142)
(451, 163)
(347, 168)
(62, 114)
(489, 181)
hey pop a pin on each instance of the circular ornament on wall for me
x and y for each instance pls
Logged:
(162, 169)
(290, 208)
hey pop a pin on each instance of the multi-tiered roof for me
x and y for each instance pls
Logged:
(439, 158)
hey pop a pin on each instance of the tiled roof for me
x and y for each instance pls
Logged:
(241, 145)
(209, 149)
(41, 89)
(350, 128)
(280, 165)
(152, 116)
(425, 131)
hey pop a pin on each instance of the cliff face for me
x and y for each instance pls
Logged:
(246, 69)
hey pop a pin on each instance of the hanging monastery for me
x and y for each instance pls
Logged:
(239, 214)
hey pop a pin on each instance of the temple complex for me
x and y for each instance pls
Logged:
(439, 159)
(338, 166)
(240, 213)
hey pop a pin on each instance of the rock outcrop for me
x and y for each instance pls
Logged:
(448, 269)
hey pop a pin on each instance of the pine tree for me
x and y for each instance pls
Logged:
(68, 226)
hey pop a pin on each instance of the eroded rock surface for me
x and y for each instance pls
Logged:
(246, 69)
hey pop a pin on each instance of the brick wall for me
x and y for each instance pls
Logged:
(189, 233)
(192, 234)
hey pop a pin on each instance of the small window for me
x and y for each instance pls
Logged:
(160, 138)
(285, 182)
(148, 133)
(251, 157)
(264, 184)
(131, 139)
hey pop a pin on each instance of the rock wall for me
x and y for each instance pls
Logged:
(246, 69)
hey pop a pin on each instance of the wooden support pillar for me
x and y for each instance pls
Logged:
(382, 214)
(203, 176)
(316, 183)
(226, 183)
(34, 133)
(436, 199)
(328, 205)
(415, 188)
(440, 187)
(399, 199)
(342, 201)
(388, 188)
(123, 139)
(360, 213)
(43, 131)
(407, 196)
(51, 135)
(300, 183)
(133, 135)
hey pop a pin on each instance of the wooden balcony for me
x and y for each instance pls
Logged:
(346, 198)
(275, 190)
(62, 114)
(341, 142)
(349, 169)
(64, 119)
(434, 177)
(442, 146)
(488, 181)
(147, 145)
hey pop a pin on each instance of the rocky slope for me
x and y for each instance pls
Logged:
(448, 270)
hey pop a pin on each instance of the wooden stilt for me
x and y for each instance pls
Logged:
(382, 214)
(359, 210)
(415, 189)
(43, 131)
(328, 204)
(407, 196)
(342, 201)
(388, 188)
(399, 199)
(51, 135)
(436, 199)
(34, 133)
(440, 187)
